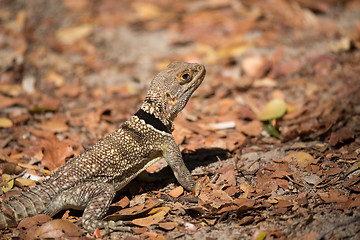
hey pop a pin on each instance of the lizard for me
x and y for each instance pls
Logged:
(89, 181)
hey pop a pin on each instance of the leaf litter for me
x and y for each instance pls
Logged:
(271, 136)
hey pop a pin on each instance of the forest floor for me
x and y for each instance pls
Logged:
(271, 136)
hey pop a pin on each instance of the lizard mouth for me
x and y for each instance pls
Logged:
(198, 78)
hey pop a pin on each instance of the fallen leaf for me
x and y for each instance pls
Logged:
(271, 130)
(55, 152)
(253, 128)
(214, 198)
(246, 188)
(341, 45)
(54, 126)
(5, 123)
(302, 158)
(168, 225)
(176, 192)
(135, 210)
(333, 196)
(54, 78)
(69, 35)
(124, 202)
(149, 235)
(56, 229)
(147, 221)
(228, 176)
(26, 182)
(9, 184)
(276, 108)
(341, 136)
(255, 66)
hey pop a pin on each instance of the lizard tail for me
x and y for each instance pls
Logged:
(29, 203)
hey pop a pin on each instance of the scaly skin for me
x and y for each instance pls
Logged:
(90, 180)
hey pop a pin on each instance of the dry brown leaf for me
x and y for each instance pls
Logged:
(333, 196)
(342, 135)
(168, 225)
(124, 202)
(255, 66)
(228, 176)
(135, 210)
(55, 152)
(6, 101)
(147, 221)
(253, 128)
(246, 188)
(54, 126)
(149, 235)
(214, 198)
(176, 192)
(283, 204)
(280, 174)
(56, 229)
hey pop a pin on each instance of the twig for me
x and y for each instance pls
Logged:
(290, 179)
(16, 176)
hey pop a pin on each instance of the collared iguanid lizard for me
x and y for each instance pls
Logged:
(90, 180)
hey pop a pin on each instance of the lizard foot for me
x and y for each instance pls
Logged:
(119, 226)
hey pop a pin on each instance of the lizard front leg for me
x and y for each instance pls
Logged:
(173, 157)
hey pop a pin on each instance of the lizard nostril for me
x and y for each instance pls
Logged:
(199, 67)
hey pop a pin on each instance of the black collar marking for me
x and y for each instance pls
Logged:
(152, 120)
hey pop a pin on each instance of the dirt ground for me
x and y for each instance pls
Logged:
(271, 136)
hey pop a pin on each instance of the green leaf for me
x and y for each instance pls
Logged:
(270, 129)
(261, 236)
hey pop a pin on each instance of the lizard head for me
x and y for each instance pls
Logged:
(171, 89)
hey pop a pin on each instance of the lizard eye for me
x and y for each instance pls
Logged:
(185, 77)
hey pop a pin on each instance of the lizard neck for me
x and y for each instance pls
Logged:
(156, 112)
(152, 120)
